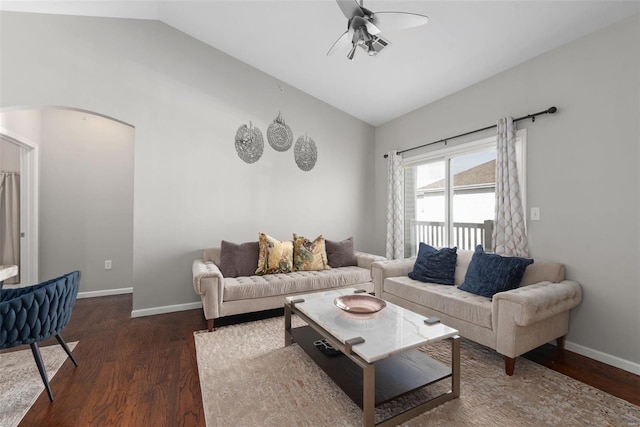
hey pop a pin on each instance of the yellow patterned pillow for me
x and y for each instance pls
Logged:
(274, 256)
(309, 255)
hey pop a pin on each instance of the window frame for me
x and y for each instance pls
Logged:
(445, 154)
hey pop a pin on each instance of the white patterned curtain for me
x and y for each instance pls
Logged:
(395, 206)
(10, 221)
(509, 232)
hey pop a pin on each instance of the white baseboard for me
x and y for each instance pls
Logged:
(609, 359)
(165, 309)
(92, 294)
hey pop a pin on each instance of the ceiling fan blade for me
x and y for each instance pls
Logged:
(358, 21)
(389, 21)
(350, 8)
(342, 41)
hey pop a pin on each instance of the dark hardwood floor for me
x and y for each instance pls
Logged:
(132, 372)
(143, 372)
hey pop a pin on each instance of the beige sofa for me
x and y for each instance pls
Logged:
(512, 323)
(225, 296)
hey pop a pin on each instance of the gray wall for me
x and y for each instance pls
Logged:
(186, 101)
(582, 172)
(86, 199)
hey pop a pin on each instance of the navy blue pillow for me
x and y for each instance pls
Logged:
(435, 266)
(489, 274)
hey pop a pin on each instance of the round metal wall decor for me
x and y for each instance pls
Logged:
(249, 143)
(305, 153)
(279, 134)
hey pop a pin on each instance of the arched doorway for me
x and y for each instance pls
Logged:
(77, 195)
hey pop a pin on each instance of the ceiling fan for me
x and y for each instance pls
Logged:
(364, 27)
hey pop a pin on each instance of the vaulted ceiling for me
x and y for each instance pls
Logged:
(463, 43)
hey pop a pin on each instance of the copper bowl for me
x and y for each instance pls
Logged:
(360, 303)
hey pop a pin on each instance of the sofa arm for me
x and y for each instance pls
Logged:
(208, 282)
(380, 270)
(203, 270)
(540, 301)
(365, 260)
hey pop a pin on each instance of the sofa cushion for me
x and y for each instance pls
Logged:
(274, 256)
(543, 271)
(341, 254)
(241, 288)
(238, 259)
(435, 266)
(445, 299)
(489, 274)
(309, 255)
(462, 263)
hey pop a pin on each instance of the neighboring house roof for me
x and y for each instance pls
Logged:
(483, 175)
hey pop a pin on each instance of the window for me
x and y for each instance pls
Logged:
(450, 195)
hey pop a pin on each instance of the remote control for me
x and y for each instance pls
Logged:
(431, 320)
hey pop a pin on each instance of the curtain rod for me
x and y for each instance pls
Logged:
(550, 110)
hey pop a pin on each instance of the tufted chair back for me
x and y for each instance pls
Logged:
(35, 313)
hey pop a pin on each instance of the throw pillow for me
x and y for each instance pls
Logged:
(309, 255)
(237, 260)
(274, 256)
(435, 266)
(489, 274)
(341, 254)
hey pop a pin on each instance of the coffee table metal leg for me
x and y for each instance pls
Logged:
(288, 338)
(455, 366)
(369, 394)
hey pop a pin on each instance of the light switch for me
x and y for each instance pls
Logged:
(107, 264)
(535, 214)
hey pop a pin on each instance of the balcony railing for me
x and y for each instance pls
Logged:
(466, 235)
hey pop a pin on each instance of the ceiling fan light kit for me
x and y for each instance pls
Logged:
(364, 27)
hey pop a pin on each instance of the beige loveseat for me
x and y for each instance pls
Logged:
(512, 323)
(225, 296)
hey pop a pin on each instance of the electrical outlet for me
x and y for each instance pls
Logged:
(107, 264)
(535, 214)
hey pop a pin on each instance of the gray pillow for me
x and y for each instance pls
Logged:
(340, 254)
(238, 260)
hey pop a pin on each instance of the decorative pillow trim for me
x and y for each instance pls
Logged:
(309, 255)
(274, 256)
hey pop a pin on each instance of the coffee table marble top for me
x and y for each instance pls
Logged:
(390, 331)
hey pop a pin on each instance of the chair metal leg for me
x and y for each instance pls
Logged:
(66, 348)
(43, 372)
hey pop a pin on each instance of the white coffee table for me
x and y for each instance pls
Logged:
(381, 361)
(7, 272)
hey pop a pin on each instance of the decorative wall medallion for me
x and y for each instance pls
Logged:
(249, 143)
(305, 153)
(279, 134)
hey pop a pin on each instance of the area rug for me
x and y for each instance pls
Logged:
(20, 381)
(248, 378)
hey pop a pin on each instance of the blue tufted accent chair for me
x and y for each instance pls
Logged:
(34, 313)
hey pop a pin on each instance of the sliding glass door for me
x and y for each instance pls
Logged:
(450, 200)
